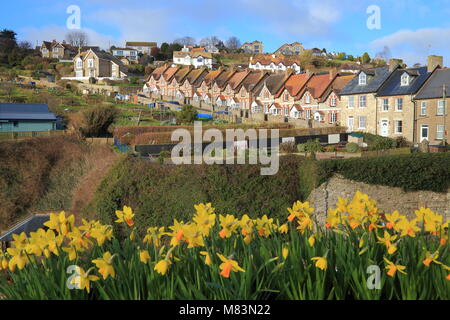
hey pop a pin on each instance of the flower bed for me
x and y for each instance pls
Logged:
(216, 256)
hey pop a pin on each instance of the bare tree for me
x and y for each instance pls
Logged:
(210, 41)
(233, 43)
(77, 38)
(185, 41)
(25, 45)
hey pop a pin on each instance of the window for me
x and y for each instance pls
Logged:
(333, 117)
(308, 114)
(119, 53)
(91, 63)
(385, 104)
(440, 108)
(286, 97)
(423, 108)
(333, 101)
(266, 108)
(404, 80)
(350, 122)
(398, 126)
(440, 132)
(362, 79)
(132, 53)
(307, 98)
(362, 101)
(362, 122)
(351, 102)
(286, 111)
(79, 64)
(399, 104)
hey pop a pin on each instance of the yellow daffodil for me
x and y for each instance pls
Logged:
(154, 235)
(342, 204)
(104, 265)
(392, 219)
(83, 280)
(228, 265)
(162, 266)
(19, 258)
(299, 209)
(144, 256)
(321, 262)
(246, 225)
(264, 226)
(125, 216)
(407, 227)
(229, 225)
(101, 233)
(204, 218)
(431, 257)
(283, 228)
(208, 260)
(285, 253)
(193, 236)
(393, 268)
(60, 223)
(177, 232)
(312, 240)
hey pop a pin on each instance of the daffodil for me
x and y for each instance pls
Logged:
(312, 240)
(299, 209)
(83, 279)
(154, 235)
(431, 257)
(264, 226)
(229, 225)
(60, 222)
(407, 227)
(204, 218)
(193, 236)
(283, 228)
(104, 265)
(144, 256)
(101, 233)
(321, 262)
(392, 219)
(208, 260)
(228, 265)
(387, 241)
(285, 253)
(125, 216)
(177, 232)
(19, 258)
(162, 266)
(393, 268)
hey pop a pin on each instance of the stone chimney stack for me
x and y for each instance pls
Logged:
(434, 61)
(394, 63)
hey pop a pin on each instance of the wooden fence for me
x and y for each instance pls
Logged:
(17, 135)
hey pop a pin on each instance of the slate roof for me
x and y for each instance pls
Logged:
(252, 80)
(433, 87)
(25, 111)
(273, 82)
(237, 79)
(376, 77)
(392, 86)
(223, 78)
(182, 73)
(28, 225)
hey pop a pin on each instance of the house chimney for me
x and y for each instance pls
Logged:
(434, 61)
(394, 63)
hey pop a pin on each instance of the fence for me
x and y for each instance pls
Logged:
(17, 135)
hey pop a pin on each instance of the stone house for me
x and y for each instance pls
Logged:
(431, 108)
(57, 50)
(254, 47)
(97, 64)
(288, 49)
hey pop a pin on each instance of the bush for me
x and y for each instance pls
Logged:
(188, 114)
(352, 147)
(97, 121)
(376, 142)
(92, 80)
(288, 147)
(330, 148)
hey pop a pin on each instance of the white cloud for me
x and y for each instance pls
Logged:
(58, 33)
(415, 45)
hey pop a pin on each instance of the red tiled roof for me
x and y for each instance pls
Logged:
(295, 83)
(318, 84)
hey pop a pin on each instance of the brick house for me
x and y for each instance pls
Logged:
(288, 94)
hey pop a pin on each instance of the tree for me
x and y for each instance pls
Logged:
(233, 43)
(188, 114)
(210, 41)
(97, 120)
(365, 58)
(77, 38)
(305, 58)
(185, 41)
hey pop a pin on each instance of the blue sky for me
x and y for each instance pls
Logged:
(411, 29)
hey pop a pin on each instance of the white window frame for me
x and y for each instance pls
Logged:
(360, 102)
(351, 102)
(423, 126)
(440, 108)
(440, 132)
(307, 99)
(404, 80)
(399, 102)
(385, 107)
(364, 122)
(362, 79)
(333, 101)
(423, 108)
(333, 117)
(90, 63)
(350, 128)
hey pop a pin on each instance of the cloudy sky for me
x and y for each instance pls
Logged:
(411, 29)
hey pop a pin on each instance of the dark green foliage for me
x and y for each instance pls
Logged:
(352, 147)
(188, 114)
(97, 120)
(376, 142)
(411, 172)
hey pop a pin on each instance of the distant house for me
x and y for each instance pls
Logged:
(272, 63)
(288, 49)
(98, 64)
(254, 47)
(126, 53)
(57, 50)
(191, 58)
(142, 47)
(16, 117)
(317, 52)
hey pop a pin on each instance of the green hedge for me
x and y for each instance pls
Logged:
(419, 171)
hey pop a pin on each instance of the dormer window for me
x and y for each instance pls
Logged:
(362, 79)
(405, 79)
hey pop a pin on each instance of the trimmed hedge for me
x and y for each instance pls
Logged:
(419, 171)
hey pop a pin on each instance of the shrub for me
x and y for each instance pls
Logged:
(288, 147)
(313, 146)
(376, 142)
(97, 120)
(330, 148)
(352, 147)
(92, 80)
(188, 114)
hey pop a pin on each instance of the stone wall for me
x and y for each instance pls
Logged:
(387, 198)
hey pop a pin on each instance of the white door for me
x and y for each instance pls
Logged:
(350, 123)
(423, 132)
(384, 128)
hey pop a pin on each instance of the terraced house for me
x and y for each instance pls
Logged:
(287, 96)
(191, 82)
(244, 91)
(431, 108)
(358, 105)
(395, 100)
(274, 64)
